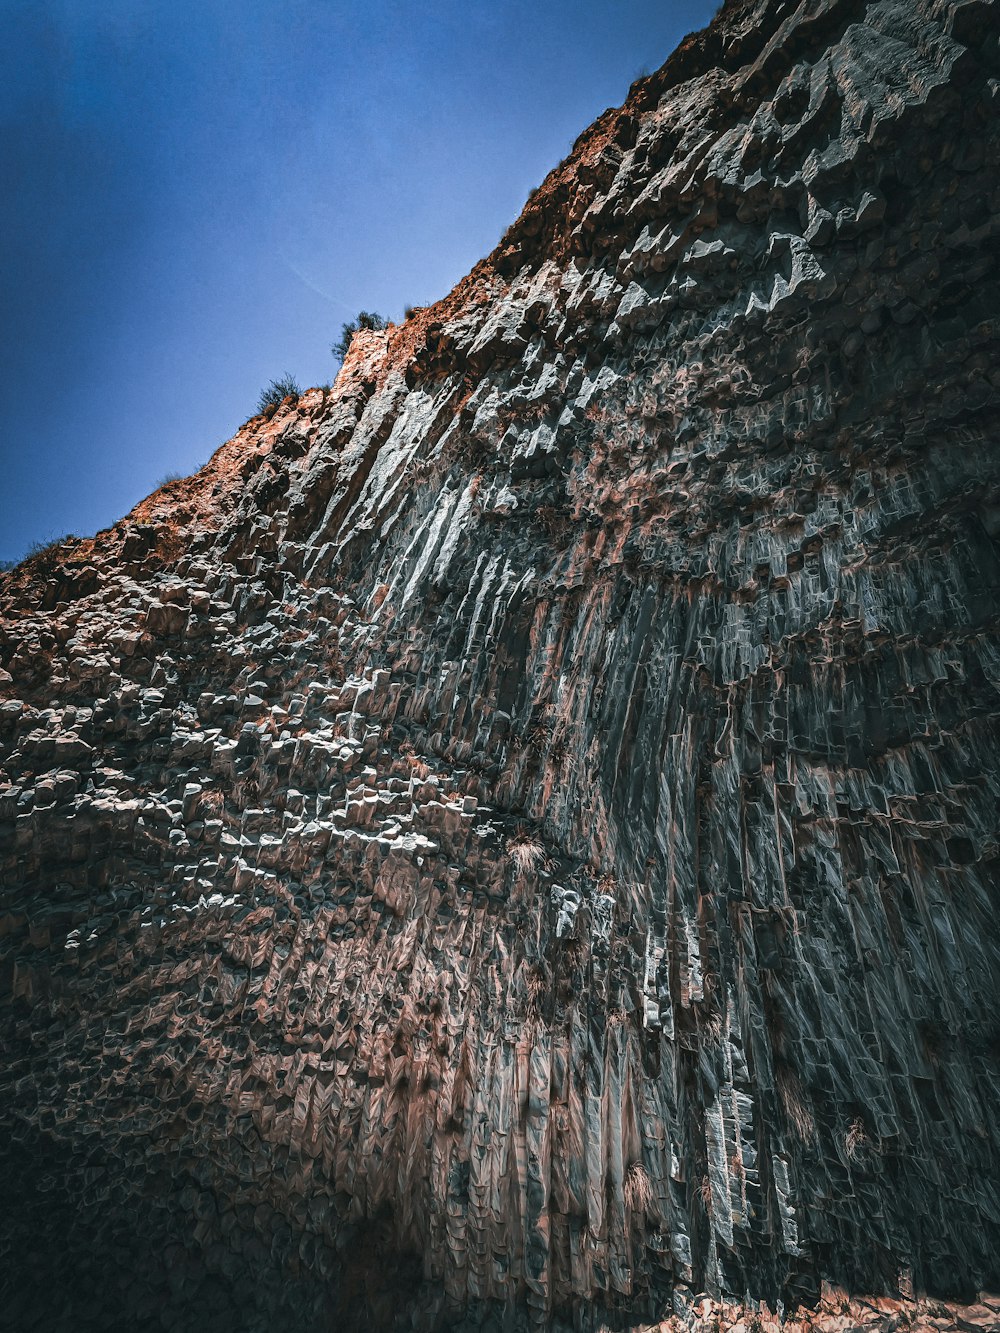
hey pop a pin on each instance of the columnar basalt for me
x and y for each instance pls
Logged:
(512, 842)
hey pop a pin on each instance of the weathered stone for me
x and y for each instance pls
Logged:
(515, 845)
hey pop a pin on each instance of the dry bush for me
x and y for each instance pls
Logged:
(525, 851)
(418, 768)
(538, 737)
(277, 391)
(705, 1194)
(638, 1191)
(712, 1029)
(855, 1140)
(211, 804)
(535, 987)
(558, 752)
(366, 319)
(790, 1091)
(554, 521)
(45, 556)
(574, 953)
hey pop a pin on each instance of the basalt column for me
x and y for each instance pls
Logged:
(512, 843)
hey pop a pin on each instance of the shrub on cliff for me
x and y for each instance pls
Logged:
(367, 319)
(277, 391)
(44, 554)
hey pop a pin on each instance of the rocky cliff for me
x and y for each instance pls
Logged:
(513, 841)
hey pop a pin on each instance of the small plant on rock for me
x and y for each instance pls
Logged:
(535, 988)
(638, 1192)
(712, 1029)
(277, 391)
(44, 555)
(855, 1140)
(525, 851)
(794, 1103)
(705, 1194)
(367, 319)
(211, 804)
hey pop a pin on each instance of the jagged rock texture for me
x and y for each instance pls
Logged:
(514, 839)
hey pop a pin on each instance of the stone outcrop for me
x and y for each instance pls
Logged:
(513, 842)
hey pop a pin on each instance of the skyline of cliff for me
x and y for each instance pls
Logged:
(200, 195)
(512, 842)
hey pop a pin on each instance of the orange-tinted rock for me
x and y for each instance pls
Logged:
(512, 842)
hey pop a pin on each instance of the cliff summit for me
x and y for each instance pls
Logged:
(512, 843)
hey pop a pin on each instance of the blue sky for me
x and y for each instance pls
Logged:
(198, 194)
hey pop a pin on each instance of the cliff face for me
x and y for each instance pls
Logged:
(517, 832)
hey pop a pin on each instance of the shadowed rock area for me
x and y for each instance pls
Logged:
(512, 843)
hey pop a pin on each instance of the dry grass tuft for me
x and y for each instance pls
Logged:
(211, 804)
(790, 1091)
(856, 1139)
(526, 852)
(712, 1029)
(705, 1194)
(535, 988)
(638, 1191)
(535, 985)
(574, 953)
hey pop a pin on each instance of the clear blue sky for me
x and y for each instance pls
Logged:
(199, 192)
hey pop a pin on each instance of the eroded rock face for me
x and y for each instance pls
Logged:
(513, 841)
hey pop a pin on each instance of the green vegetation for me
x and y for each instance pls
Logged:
(277, 391)
(367, 319)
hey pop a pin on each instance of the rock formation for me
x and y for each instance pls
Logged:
(513, 842)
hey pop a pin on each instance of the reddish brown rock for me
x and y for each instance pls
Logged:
(512, 842)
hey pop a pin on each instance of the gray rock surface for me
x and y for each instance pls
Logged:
(513, 842)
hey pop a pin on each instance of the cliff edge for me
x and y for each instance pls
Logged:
(513, 841)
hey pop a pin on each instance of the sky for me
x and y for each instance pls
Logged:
(198, 193)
